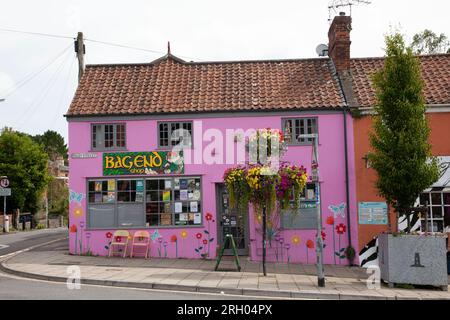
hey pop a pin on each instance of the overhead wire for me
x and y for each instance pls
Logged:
(32, 75)
(36, 103)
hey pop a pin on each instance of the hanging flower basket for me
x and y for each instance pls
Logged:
(291, 183)
(237, 186)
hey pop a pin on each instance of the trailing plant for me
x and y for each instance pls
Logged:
(262, 182)
(350, 253)
(237, 186)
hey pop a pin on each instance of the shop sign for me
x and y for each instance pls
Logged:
(85, 155)
(372, 212)
(143, 163)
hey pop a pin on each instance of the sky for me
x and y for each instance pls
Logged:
(38, 74)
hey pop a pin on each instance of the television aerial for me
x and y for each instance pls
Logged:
(335, 5)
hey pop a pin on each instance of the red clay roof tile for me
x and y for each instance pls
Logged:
(170, 85)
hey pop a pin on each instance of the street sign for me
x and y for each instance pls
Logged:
(4, 183)
(5, 192)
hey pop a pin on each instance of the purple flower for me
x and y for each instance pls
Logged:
(281, 240)
(287, 246)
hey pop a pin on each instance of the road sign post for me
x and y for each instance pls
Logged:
(5, 192)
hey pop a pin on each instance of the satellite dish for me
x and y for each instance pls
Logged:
(322, 50)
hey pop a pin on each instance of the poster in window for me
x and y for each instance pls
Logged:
(166, 219)
(191, 218)
(176, 184)
(167, 184)
(139, 185)
(167, 208)
(98, 197)
(178, 207)
(183, 217)
(197, 218)
(196, 195)
(166, 195)
(98, 186)
(111, 197)
(194, 206)
(191, 184)
(183, 194)
(183, 183)
(190, 195)
(111, 185)
(139, 197)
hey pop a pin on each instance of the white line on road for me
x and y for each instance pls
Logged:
(3, 246)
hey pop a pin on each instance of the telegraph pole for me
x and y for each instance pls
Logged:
(80, 49)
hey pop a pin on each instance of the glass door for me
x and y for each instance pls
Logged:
(230, 221)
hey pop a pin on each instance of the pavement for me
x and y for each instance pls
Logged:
(50, 261)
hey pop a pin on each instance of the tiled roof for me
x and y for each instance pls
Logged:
(435, 73)
(170, 85)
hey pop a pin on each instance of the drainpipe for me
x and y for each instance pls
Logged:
(347, 191)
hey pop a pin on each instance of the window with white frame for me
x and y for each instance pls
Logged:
(293, 128)
(438, 217)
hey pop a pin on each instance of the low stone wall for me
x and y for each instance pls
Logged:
(53, 222)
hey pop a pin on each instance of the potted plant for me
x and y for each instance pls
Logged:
(402, 159)
(350, 254)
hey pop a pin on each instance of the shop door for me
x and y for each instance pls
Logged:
(230, 221)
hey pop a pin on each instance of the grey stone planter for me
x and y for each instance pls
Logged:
(413, 259)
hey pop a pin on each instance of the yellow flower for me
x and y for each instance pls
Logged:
(184, 234)
(78, 212)
(296, 240)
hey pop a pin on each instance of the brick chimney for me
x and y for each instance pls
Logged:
(339, 42)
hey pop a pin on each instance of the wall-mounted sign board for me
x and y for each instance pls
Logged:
(372, 213)
(143, 163)
(85, 155)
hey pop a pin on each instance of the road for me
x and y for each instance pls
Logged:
(13, 287)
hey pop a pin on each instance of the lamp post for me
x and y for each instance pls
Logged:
(315, 178)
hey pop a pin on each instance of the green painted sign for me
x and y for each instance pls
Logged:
(143, 163)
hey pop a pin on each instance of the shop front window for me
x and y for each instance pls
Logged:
(306, 215)
(150, 202)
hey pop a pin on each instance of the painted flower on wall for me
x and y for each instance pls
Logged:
(310, 244)
(208, 216)
(198, 235)
(183, 234)
(78, 212)
(118, 239)
(330, 220)
(295, 240)
(341, 228)
(73, 228)
(173, 238)
(109, 235)
(205, 241)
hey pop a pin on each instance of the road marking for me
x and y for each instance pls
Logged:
(3, 246)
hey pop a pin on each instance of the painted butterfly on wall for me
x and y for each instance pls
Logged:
(155, 235)
(77, 197)
(338, 210)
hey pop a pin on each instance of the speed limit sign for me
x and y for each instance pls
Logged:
(4, 183)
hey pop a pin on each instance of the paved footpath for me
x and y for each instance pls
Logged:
(50, 262)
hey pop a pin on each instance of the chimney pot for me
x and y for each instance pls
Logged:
(342, 13)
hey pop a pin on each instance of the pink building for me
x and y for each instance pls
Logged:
(123, 174)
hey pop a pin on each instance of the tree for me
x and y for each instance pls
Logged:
(25, 164)
(428, 42)
(53, 144)
(402, 155)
